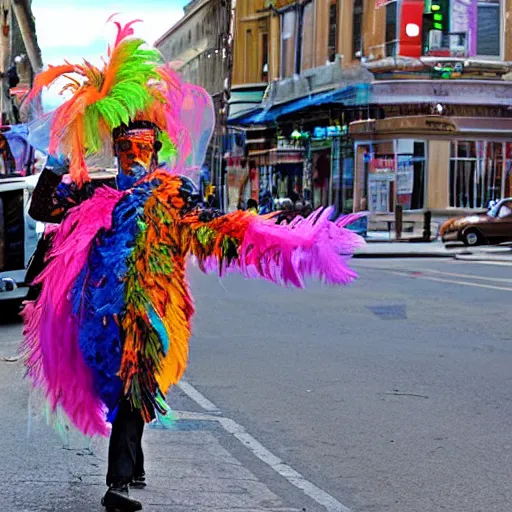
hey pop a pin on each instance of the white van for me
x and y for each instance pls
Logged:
(19, 235)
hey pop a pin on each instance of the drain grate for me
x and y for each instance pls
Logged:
(395, 312)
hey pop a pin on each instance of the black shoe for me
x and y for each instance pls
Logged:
(139, 482)
(117, 499)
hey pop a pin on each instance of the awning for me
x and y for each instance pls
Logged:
(351, 95)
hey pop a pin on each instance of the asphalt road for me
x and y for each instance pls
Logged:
(392, 395)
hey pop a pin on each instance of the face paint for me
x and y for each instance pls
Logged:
(135, 152)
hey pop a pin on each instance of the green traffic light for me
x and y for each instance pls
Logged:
(438, 17)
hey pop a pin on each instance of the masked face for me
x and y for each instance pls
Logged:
(136, 155)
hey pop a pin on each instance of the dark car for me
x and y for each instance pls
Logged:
(492, 227)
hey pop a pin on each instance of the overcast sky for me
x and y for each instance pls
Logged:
(74, 29)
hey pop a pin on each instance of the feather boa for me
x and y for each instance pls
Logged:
(53, 357)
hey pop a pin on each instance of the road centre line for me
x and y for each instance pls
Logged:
(468, 276)
(318, 495)
(486, 262)
(450, 281)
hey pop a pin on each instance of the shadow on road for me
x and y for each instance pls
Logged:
(10, 313)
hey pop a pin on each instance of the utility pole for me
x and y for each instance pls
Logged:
(5, 46)
(227, 49)
(23, 14)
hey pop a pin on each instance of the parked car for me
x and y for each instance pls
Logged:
(492, 227)
(19, 234)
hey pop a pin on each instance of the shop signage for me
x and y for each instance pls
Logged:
(383, 168)
(324, 132)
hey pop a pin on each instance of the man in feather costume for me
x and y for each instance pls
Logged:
(108, 334)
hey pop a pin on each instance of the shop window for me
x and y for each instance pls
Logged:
(307, 56)
(476, 172)
(508, 175)
(333, 30)
(288, 43)
(410, 178)
(391, 29)
(489, 31)
(357, 29)
(396, 177)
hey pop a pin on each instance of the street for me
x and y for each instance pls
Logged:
(391, 395)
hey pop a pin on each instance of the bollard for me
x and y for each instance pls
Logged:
(399, 218)
(427, 227)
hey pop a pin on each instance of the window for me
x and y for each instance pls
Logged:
(357, 26)
(396, 175)
(476, 171)
(391, 29)
(288, 43)
(410, 178)
(308, 37)
(264, 57)
(488, 40)
(249, 50)
(333, 31)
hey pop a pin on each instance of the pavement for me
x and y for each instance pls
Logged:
(391, 395)
(379, 247)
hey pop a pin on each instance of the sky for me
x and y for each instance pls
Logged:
(77, 29)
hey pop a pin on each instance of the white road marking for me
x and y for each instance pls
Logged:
(487, 262)
(451, 281)
(318, 495)
(198, 398)
(467, 276)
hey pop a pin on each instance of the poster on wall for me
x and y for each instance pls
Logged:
(404, 181)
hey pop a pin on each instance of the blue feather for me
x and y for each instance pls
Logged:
(98, 296)
(159, 327)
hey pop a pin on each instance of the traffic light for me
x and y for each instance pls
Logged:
(436, 17)
(437, 12)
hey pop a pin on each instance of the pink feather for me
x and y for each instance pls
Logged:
(286, 255)
(53, 357)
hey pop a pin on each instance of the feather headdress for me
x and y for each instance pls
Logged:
(127, 87)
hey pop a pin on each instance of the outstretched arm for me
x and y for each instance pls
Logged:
(257, 247)
(55, 194)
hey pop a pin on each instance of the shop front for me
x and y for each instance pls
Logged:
(431, 163)
(329, 168)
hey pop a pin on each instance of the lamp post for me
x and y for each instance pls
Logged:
(227, 54)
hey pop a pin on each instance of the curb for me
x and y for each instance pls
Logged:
(395, 255)
(472, 257)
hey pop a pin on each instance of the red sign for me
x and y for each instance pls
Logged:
(411, 28)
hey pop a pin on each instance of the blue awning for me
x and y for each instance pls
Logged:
(351, 95)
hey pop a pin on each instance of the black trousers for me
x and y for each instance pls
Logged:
(125, 456)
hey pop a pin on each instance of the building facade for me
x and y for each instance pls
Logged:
(368, 104)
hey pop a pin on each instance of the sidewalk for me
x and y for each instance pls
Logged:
(188, 468)
(380, 249)
(380, 246)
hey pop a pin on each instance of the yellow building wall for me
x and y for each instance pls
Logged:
(438, 175)
(250, 26)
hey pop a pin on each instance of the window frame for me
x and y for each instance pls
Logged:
(479, 162)
(503, 21)
(333, 50)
